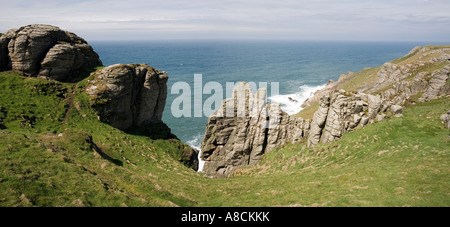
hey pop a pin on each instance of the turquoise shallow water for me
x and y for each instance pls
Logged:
(300, 67)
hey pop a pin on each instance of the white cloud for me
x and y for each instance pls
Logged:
(290, 19)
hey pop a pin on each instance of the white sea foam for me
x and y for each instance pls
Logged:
(195, 142)
(291, 103)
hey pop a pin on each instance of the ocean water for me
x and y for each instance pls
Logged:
(300, 67)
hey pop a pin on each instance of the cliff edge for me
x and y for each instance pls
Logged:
(128, 97)
(352, 102)
(243, 129)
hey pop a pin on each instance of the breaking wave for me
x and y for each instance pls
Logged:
(291, 103)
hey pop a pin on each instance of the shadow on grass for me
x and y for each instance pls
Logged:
(103, 154)
(156, 131)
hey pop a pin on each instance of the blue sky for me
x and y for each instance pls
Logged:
(365, 20)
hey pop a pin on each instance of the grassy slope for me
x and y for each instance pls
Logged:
(48, 159)
(397, 162)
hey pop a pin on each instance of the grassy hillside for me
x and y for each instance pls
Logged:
(55, 152)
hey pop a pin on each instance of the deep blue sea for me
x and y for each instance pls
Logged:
(300, 67)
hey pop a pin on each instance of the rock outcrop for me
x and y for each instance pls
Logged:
(394, 85)
(129, 95)
(341, 112)
(319, 119)
(422, 74)
(245, 126)
(241, 139)
(243, 129)
(399, 82)
(132, 98)
(429, 85)
(44, 50)
(445, 118)
(438, 84)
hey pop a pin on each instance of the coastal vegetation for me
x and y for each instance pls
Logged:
(76, 133)
(56, 152)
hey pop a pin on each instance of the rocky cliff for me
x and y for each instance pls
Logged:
(129, 95)
(132, 98)
(421, 75)
(243, 129)
(44, 50)
(340, 112)
(426, 77)
(234, 141)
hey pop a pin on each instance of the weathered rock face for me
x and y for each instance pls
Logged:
(189, 157)
(245, 126)
(44, 50)
(319, 119)
(398, 83)
(438, 84)
(428, 85)
(394, 85)
(132, 97)
(254, 127)
(4, 57)
(129, 95)
(243, 129)
(424, 75)
(341, 112)
(240, 140)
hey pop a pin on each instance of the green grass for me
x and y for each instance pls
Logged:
(433, 67)
(365, 76)
(414, 57)
(399, 162)
(54, 160)
(308, 112)
(404, 58)
(31, 104)
(51, 160)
